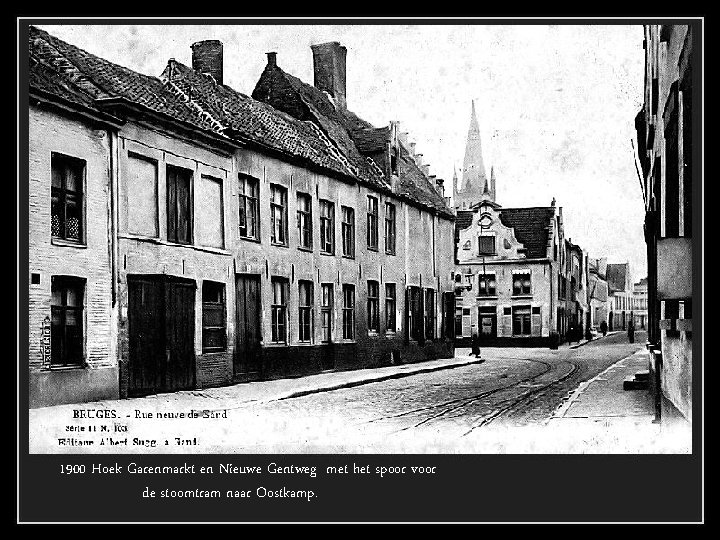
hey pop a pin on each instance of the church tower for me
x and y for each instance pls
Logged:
(474, 185)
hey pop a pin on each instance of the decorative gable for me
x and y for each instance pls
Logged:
(487, 235)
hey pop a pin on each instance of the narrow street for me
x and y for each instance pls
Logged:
(482, 406)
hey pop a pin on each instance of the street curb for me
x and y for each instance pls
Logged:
(351, 384)
(559, 413)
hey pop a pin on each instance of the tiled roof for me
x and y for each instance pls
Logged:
(353, 135)
(617, 276)
(189, 97)
(532, 227)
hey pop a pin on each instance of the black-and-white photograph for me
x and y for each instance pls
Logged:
(411, 238)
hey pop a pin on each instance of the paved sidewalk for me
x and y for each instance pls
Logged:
(600, 409)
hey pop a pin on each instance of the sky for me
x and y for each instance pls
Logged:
(555, 103)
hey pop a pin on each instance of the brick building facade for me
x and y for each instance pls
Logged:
(243, 238)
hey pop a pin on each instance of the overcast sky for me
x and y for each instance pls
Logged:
(556, 104)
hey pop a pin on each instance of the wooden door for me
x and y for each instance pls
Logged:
(248, 328)
(146, 328)
(180, 335)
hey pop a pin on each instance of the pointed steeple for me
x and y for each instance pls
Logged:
(492, 182)
(474, 178)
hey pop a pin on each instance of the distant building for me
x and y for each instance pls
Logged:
(620, 291)
(598, 292)
(666, 153)
(640, 303)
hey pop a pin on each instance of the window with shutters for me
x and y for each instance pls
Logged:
(348, 232)
(372, 223)
(373, 306)
(390, 228)
(390, 307)
(521, 284)
(348, 311)
(249, 209)
(140, 190)
(521, 321)
(179, 205)
(66, 305)
(304, 221)
(278, 215)
(278, 310)
(305, 308)
(326, 311)
(327, 227)
(214, 334)
(67, 205)
(487, 285)
(416, 314)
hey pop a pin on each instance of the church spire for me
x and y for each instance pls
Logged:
(474, 178)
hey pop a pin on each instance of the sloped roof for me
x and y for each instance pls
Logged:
(192, 98)
(531, 225)
(352, 134)
(616, 275)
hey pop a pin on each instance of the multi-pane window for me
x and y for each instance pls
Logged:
(487, 285)
(249, 211)
(278, 215)
(521, 284)
(179, 205)
(348, 312)
(486, 245)
(327, 227)
(348, 231)
(326, 311)
(521, 321)
(390, 228)
(66, 220)
(390, 307)
(429, 313)
(278, 316)
(373, 306)
(214, 335)
(67, 321)
(372, 222)
(304, 220)
(305, 307)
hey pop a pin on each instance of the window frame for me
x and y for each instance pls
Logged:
(306, 311)
(220, 306)
(373, 306)
(480, 246)
(522, 291)
(246, 201)
(525, 315)
(326, 310)
(348, 231)
(280, 208)
(304, 221)
(173, 211)
(373, 216)
(65, 283)
(390, 228)
(390, 308)
(485, 279)
(327, 227)
(56, 160)
(278, 310)
(429, 314)
(348, 319)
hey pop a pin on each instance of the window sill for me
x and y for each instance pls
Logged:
(274, 244)
(373, 333)
(390, 253)
(161, 242)
(327, 253)
(305, 344)
(373, 249)
(521, 296)
(249, 239)
(350, 257)
(391, 332)
(214, 351)
(275, 344)
(65, 368)
(303, 248)
(489, 297)
(67, 243)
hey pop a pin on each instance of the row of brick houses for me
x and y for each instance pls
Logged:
(518, 279)
(665, 126)
(185, 235)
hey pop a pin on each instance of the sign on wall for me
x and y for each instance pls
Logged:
(45, 343)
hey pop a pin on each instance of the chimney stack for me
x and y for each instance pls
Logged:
(272, 59)
(418, 159)
(329, 65)
(440, 183)
(207, 57)
(426, 169)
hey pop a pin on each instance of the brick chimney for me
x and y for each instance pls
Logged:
(440, 185)
(207, 57)
(329, 66)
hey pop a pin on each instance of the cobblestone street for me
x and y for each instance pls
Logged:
(502, 404)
